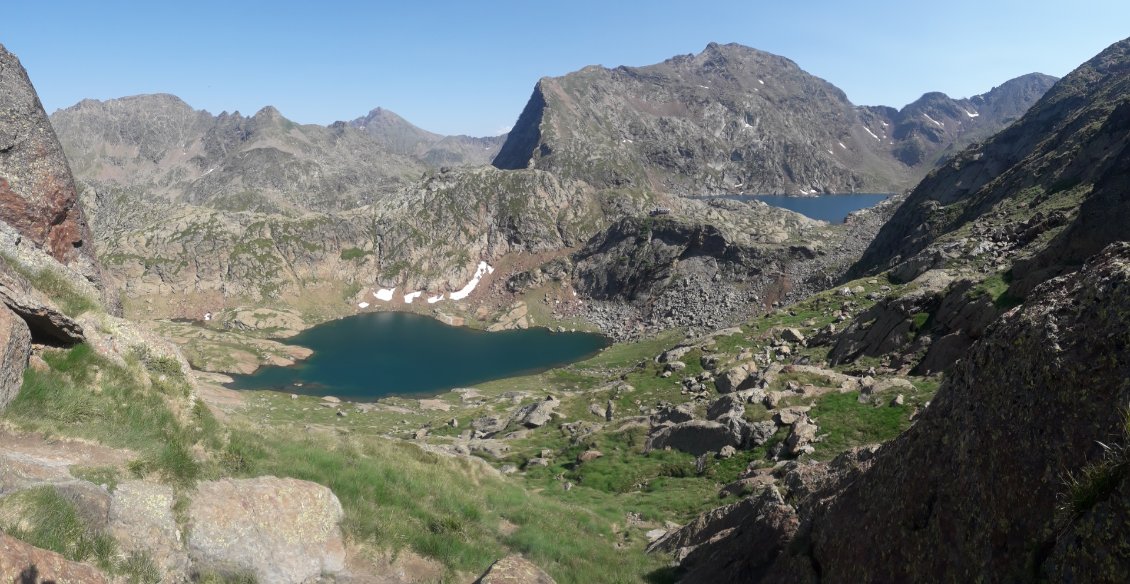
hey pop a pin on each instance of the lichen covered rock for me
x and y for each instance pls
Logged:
(281, 530)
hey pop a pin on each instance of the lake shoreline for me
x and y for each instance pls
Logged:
(374, 355)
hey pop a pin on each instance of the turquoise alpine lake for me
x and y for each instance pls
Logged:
(373, 355)
(830, 208)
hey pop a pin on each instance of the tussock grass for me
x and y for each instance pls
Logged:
(45, 519)
(1097, 480)
(398, 496)
(846, 423)
(86, 395)
(70, 301)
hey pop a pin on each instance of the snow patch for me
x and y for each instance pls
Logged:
(483, 269)
(408, 298)
(872, 133)
(362, 305)
(832, 153)
(761, 82)
(384, 294)
(927, 116)
(969, 113)
(842, 145)
(704, 87)
(434, 299)
(885, 124)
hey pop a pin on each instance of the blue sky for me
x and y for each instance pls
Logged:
(468, 67)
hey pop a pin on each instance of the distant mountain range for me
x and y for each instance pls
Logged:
(401, 137)
(161, 146)
(194, 210)
(732, 118)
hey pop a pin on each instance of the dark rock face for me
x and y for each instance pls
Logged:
(762, 525)
(37, 193)
(733, 118)
(972, 491)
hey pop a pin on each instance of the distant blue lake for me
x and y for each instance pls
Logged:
(373, 355)
(830, 208)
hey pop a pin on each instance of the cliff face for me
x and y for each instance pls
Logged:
(37, 192)
(736, 119)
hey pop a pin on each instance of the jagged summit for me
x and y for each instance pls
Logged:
(736, 119)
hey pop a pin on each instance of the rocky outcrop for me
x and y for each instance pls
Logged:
(37, 192)
(514, 570)
(280, 530)
(47, 324)
(537, 414)
(26, 564)
(732, 118)
(1032, 405)
(761, 525)
(15, 349)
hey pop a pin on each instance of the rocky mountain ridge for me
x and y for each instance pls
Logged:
(435, 150)
(159, 146)
(735, 119)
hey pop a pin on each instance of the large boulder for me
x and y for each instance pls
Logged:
(696, 437)
(22, 563)
(514, 570)
(15, 349)
(734, 379)
(283, 531)
(37, 192)
(801, 436)
(538, 413)
(727, 405)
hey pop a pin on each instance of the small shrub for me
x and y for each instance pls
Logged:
(352, 253)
